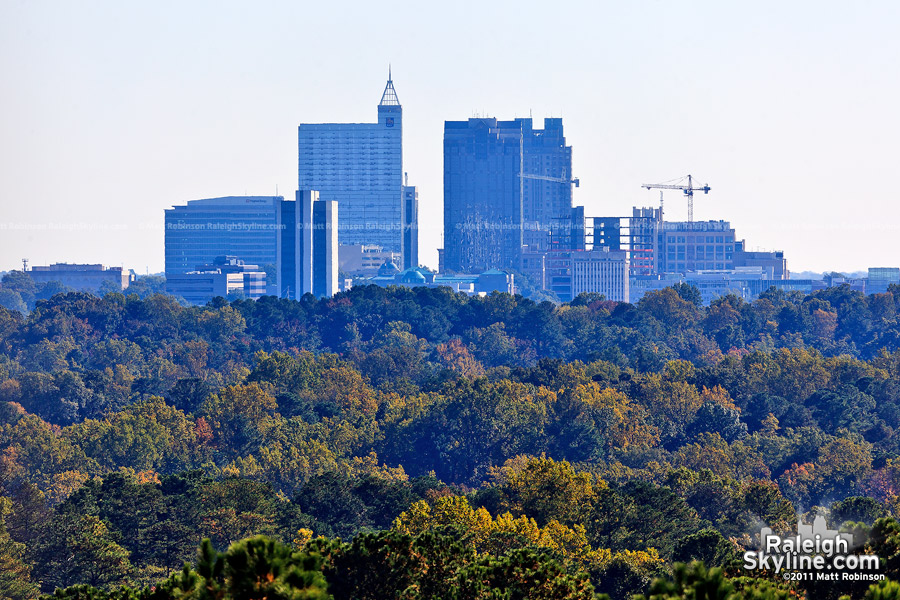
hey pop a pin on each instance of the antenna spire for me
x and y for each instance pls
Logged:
(389, 97)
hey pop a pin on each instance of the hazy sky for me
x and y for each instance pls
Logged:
(112, 111)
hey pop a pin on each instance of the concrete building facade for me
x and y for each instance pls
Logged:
(307, 246)
(88, 278)
(600, 270)
(695, 246)
(363, 260)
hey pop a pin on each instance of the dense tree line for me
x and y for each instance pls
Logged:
(591, 445)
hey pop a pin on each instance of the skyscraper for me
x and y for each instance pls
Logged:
(410, 227)
(546, 184)
(360, 165)
(506, 185)
(482, 194)
(307, 244)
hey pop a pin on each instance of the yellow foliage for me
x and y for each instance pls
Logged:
(302, 538)
(719, 395)
(629, 426)
(368, 465)
(497, 534)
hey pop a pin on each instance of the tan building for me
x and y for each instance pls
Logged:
(88, 278)
(364, 260)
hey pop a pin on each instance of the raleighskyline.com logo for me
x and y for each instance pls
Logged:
(815, 553)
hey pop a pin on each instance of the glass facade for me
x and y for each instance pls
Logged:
(505, 184)
(240, 226)
(483, 195)
(360, 166)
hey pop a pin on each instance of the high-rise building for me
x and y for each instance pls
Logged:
(506, 185)
(258, 230)
(325, 248)
(600, 270)
(410, 227)
(240, 226)
(483, 194)
(360, 165)
(546, 183)
(307, 260)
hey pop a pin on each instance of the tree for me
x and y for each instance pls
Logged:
(857, 509)
(236, 415)
(545, 490)
(689, 293)
(12, 300)
(707, 545)
(79, 549)
(696, 582)
(15, 579)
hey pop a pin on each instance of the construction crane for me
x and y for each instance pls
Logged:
(555, 179)
(688, 190)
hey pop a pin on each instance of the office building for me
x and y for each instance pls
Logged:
(880, 278)
(546, 183)
(86, 278)
(227, 276)
(360, 165)
(201, 230)
(363, 260)
(506, 185)
(602, 271)
(307, 250)
(410, 227)
(695, 246)
(483, 195)
(772, 263)
(325, 248)
(254, 230)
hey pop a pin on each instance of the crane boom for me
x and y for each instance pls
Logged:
(554, 179)
(688, 190)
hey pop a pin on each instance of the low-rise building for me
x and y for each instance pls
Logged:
(227, 277)
(87, 278)
(364, 260)
(493, 280)
(880, 278)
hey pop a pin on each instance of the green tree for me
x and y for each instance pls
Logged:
(79, 549)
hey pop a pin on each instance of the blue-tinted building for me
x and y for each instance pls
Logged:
(239, 226)
(410, 227)
(307, 245)
(359, 165)
(547, 186)
(483, 195)
(506, 185)
(259, 230)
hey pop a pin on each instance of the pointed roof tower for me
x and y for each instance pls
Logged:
(389, 97)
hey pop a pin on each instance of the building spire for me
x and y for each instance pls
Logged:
(389, 97)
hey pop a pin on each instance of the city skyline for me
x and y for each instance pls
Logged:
(113, 114)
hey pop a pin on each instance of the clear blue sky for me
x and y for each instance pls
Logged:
(112, 111)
